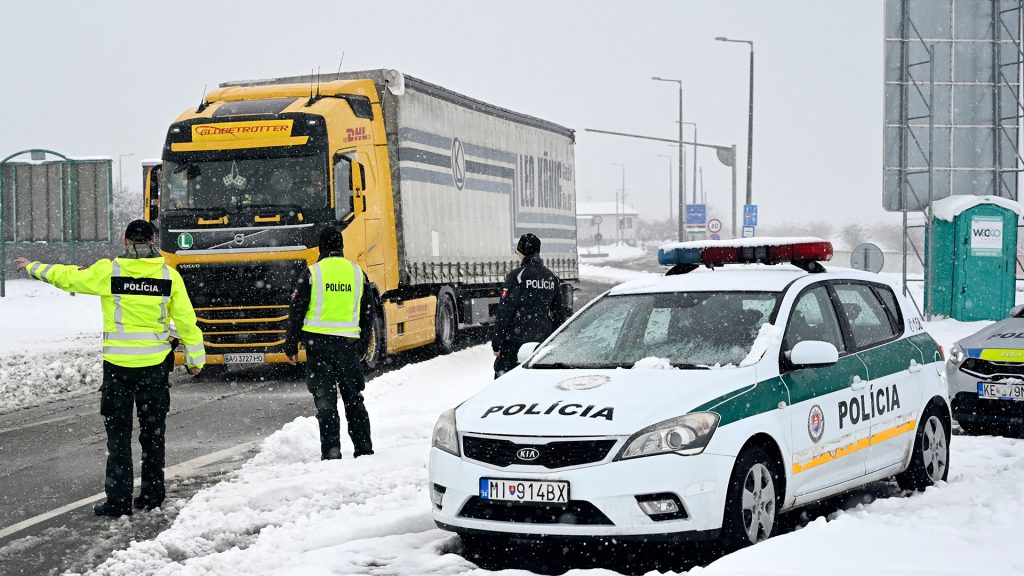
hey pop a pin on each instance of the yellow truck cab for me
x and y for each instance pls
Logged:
(432, 190)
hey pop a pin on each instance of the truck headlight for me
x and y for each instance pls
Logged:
(956, 355)
(445, 437)
(686, 435)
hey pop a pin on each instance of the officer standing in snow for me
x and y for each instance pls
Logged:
(331, 306)
(531, 306)
(140, 295)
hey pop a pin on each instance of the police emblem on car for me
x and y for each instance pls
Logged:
(528, 454)
(815, 423)
(694, 405)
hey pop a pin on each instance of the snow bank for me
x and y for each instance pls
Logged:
(949, 529)
(948, 208)
(49, 345)
(286, 512)
(611, 275)
(613, 253)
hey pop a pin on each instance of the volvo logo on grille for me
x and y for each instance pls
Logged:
(528, 454)
(239, 239)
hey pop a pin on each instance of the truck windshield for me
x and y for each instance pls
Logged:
(232, 186)
(691, 330)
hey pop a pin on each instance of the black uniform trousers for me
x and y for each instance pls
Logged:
(332, 365)
(147, 390)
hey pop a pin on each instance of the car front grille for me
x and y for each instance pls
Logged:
(987, 370)
(556, 454)
(579, 512)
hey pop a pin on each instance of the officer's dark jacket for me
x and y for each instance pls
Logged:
(531, 306)
(301, 296)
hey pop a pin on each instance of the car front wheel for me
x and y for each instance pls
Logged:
(752, 503)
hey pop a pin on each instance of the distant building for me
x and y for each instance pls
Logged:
(594, 217)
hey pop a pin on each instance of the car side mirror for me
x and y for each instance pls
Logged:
(1017, 311)
(525, 351)
(813, 353)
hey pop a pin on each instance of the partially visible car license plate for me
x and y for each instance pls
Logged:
(251, 358)
(1001, 391)
(556, 492)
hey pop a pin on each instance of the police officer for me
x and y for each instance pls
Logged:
(331, 306)
(531, 306)
(141, 295)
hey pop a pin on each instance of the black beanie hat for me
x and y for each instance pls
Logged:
(529, 245)
(331, 240)
(139, 231)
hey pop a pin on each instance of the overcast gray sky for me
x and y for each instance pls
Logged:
(107, 77)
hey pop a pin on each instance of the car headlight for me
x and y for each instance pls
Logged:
(445, 436)
(956, 354)
(686, 435)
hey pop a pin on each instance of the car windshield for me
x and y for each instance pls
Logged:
(690, 329)
(230, 186)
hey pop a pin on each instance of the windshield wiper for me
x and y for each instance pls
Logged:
(692, 366)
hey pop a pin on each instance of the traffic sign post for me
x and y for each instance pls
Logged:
(697, 214)
(714, 226)
(750, 214)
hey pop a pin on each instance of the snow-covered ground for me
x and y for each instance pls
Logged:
(617, 252)
(49, 344)
(286, 512)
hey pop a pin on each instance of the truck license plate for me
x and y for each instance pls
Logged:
(1001, 391)
(251, 358)
(524, 491)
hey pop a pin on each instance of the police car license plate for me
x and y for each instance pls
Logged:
(524, 491)
(1001, 391)
(251, 358)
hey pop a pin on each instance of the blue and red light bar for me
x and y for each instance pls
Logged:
(798, 251)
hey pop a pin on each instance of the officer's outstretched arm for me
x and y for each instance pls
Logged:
(93, 280)
(184, 317)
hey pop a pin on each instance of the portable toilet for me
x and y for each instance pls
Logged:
(974, 265)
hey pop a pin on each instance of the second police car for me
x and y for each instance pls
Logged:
(700, 405)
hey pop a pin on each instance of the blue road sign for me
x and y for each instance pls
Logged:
(750, 214)
(697, 214)
(716, 237)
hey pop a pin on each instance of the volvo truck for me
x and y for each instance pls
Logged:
(431, 188)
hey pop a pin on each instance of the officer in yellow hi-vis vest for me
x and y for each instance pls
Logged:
(331, 306)
(140, 295)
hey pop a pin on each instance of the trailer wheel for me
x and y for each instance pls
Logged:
(445, 323)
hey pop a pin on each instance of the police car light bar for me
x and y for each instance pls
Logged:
(806, 253)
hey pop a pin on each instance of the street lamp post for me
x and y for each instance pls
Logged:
(682, 161)
(693, 194)
(669, 184)
(120, 172)
(750, 120)
(618, 204)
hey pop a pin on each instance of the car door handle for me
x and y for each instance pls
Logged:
(858, 384)
(914, 366)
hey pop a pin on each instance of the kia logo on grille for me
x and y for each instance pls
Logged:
(528, 454)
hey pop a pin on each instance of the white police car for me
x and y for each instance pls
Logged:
(699, 405)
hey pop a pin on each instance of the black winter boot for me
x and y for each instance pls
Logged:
(107, 508)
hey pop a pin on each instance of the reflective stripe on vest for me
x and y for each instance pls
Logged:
(334, 311)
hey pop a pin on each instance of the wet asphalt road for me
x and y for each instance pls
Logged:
(54, 455)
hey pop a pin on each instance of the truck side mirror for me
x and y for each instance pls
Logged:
(1017, 311)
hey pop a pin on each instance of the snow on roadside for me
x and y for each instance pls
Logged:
(619, 252)
(49, 345)
(286, 512)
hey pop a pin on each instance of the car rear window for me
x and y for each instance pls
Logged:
(865, 314)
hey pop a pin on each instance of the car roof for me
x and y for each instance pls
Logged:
(738, 278)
